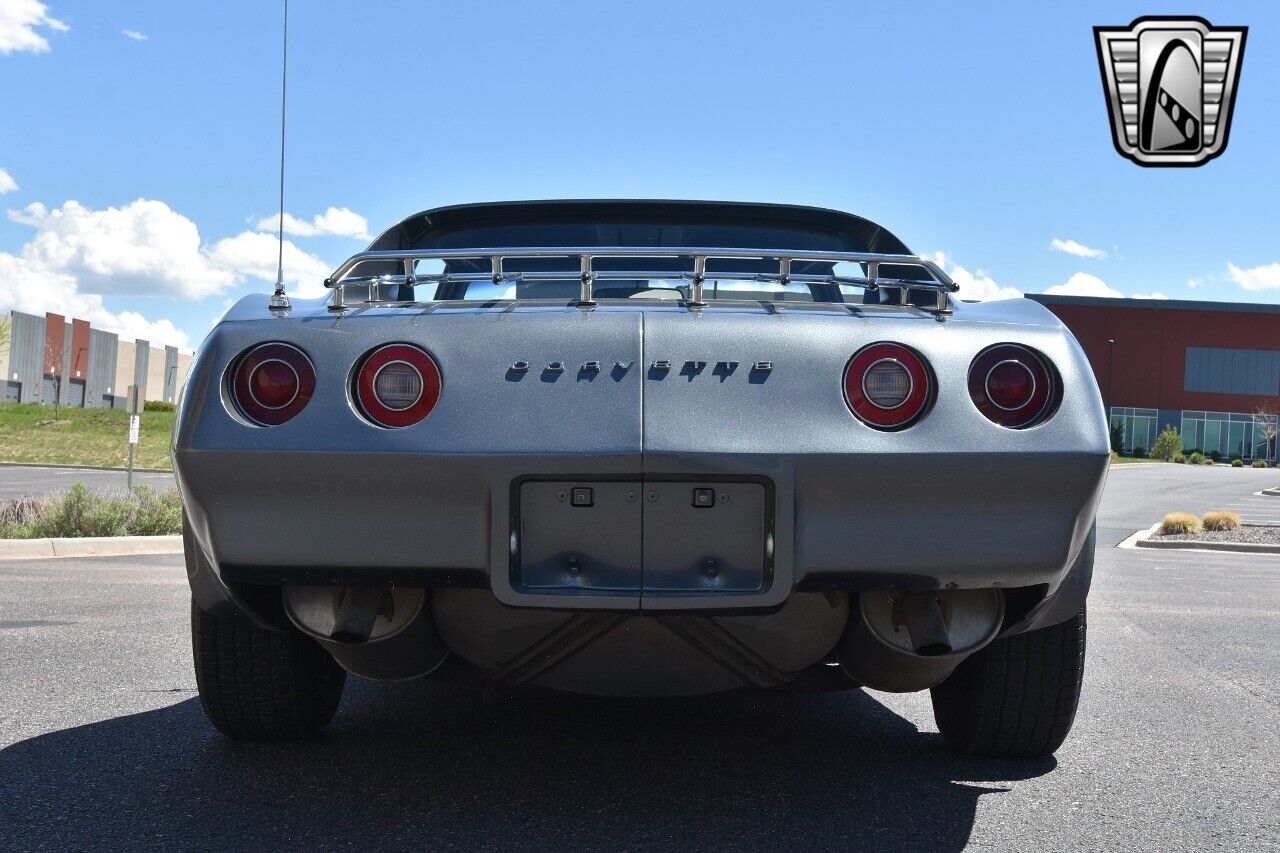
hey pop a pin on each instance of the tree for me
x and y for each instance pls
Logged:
(1168, 445)
(4, 332)
(1117, 437)
(53, 346)
(1265, 423)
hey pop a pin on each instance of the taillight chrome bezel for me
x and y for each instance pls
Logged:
(920, 394)
(247, 364)
(1040, 404)
(365, 395)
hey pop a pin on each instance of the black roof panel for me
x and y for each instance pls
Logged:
(606, 222)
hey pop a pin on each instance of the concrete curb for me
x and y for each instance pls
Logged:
(136, 470)
(1139, 535)
(88, 546)
(1146, 539)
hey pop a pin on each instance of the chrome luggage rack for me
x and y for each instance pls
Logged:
(586, 273)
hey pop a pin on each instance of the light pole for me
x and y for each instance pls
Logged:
(1111, 360)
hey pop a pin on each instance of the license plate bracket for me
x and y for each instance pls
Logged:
(657, 537)
(706, 537)
(579, 536)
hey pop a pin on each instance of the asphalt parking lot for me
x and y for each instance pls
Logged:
(18, 481)
(1177, 743)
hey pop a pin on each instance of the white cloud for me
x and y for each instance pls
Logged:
(1084, 284)
(19, 22)
(7, 183)
(132, 326)
(254, 254)
(135, 35)
(335, 221)
(1156, 295)
(1265, 277)
(974, 285)
(26, 285)
(1080, 250)
(143, 248)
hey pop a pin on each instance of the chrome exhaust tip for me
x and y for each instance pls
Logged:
(926, 625)
(903, 642)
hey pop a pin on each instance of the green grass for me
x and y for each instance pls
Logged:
(1117, 459)
(98, 437)
(81, 513)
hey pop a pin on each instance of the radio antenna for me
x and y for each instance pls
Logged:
(278, 299)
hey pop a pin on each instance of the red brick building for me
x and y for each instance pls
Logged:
(1211, 369)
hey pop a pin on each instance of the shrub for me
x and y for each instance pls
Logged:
(157, 406)
(1180, 458)
(1260, 463)
(1196, 458)
(1139, 452)
(1179, 522)
(1168, 444)
(1221, 520)
(1215, 455)
(156, 514)
(80, 513)
(1117, 438)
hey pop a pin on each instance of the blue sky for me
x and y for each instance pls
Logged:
(139, 166)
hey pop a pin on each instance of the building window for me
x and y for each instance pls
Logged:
(1139, 426)
(1212, 436)
(1235, 439)
(1229, 433)
(1192, 432)
(1232, 371)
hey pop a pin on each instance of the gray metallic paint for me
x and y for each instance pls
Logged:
(952, 501)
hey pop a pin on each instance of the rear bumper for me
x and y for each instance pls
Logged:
(924, 521)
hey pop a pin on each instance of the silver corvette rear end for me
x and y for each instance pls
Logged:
(687, 473)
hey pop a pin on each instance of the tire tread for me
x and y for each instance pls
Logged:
(1016, 698)
(260, 684)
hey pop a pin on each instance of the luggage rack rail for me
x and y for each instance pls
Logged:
(584, 270)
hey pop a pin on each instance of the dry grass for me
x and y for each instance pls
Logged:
(79, 512)
(1222, 519)
(18, 513)
(99, 437)
(1179, 522)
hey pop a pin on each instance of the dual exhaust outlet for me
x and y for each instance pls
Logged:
(893, 641)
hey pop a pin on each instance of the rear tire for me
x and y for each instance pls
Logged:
(1017, 697)
(260, 684)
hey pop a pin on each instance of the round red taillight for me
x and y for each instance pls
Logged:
(1013, 386)
(888, 386)
(397, 385)
(271, 383)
